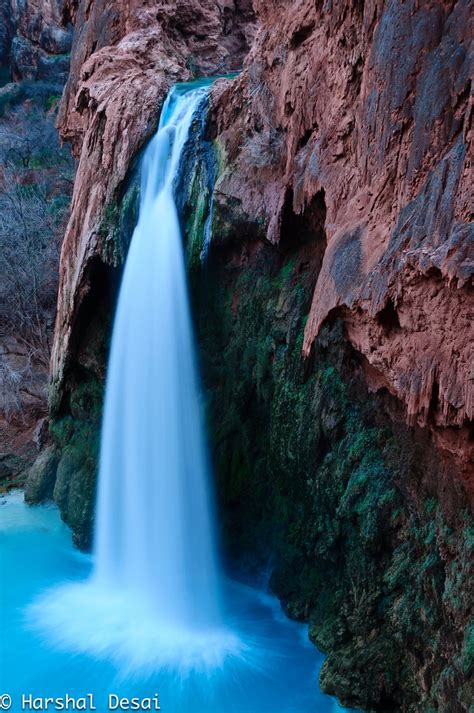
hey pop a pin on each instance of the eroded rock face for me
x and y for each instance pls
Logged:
(316, 473)
(125, 57)
(367, 106)
(42, 22)
(42, 42)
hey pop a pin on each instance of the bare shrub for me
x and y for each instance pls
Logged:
(29, 246)
(31, 142)
(10, 383)
(264, 148)
(35, 184)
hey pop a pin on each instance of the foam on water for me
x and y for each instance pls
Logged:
(275, 669)
(123, 626)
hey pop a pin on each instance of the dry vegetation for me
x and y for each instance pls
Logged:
(36, 176)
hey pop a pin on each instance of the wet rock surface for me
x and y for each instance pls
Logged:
(367, 538)
(41, 477)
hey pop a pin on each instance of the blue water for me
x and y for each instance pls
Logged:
(277, 672)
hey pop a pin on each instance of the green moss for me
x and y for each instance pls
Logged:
(118, 222)
(309, 472)
(59, 57)
(285, 272)
(430, 505)
(199, 198)
(76, 437)
(468, 650)
(52, 101)
(222, 164)
(109, 229)
(61, 430)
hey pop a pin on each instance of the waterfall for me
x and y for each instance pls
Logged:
(154, 526)
(153, 599)
(144, 616)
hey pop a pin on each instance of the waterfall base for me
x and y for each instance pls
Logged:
(123, 627)
(74, 649)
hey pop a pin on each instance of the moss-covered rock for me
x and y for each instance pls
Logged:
(119, 220)
(41, 477)
(76, 437)
(76, 407)
(313, 473)
(13, 470)
(194, 192)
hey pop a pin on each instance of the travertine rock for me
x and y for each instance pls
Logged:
(366, 105)
(41, 477)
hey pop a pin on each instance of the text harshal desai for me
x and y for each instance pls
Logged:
(89, 702)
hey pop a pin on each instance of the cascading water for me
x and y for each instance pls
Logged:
(154, 525)
(155, 582)
(144, 614)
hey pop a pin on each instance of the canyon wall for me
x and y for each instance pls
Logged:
(366, 105)
(333, 319)
(35, 39)
(125, 58)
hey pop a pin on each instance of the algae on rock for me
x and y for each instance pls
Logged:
(314, 474)
(41, 477)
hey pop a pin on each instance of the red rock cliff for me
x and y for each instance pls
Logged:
(125, 57)
(360, 107)
(365, 106)
(352, 116)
